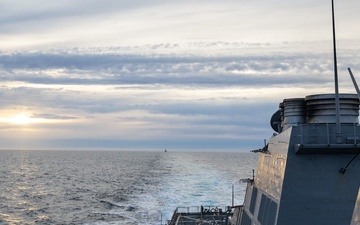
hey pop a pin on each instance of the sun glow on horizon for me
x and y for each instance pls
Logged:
(21, 119)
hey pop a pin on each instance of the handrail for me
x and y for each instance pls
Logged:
(173, 218)
(197, 209)
(349, 135)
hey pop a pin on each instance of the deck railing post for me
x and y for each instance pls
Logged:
(301, 135)
(327, 134)
(355, 142)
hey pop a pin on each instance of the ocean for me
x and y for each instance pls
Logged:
(116, 187)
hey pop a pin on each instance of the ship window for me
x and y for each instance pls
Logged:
(272, 213)
(262, 209)
(267, 211)
(245, 219)
(253, 200)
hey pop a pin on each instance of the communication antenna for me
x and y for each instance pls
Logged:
(354, 82)
(337, 101)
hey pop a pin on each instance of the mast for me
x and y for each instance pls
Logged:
(337, 101)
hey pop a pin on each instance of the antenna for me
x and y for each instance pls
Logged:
(354, 82)
(337, 101)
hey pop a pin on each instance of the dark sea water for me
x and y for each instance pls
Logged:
(88, 187)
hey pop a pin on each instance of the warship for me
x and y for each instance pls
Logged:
(309, 171)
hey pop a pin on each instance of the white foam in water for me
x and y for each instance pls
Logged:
(102, 188)
(195, 180)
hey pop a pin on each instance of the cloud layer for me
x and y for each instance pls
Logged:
(163, 74)
(40, 23)
(119, 98)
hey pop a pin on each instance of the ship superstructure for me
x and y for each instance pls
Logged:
(308, 173)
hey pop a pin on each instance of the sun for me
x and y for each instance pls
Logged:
(21, 119)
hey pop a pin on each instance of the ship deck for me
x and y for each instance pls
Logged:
(201, 215)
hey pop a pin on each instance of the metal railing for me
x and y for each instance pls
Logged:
(326, 134)
(193, 213)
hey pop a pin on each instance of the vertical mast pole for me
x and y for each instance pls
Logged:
(232, 199)
(337, 101)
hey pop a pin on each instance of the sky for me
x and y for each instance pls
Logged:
(154, 74)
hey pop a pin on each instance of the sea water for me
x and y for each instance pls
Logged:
(98, 187)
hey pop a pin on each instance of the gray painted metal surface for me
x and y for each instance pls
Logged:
(321, 108)
(306, 176)
(356, 215)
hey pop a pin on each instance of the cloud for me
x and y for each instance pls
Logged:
(43, 12)
(42, 24)
(59, 68)
(52, 117)
(164, 74)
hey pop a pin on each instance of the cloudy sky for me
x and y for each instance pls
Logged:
(155, 74)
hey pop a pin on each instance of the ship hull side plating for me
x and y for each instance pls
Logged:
(299, 180)
(356, 215)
